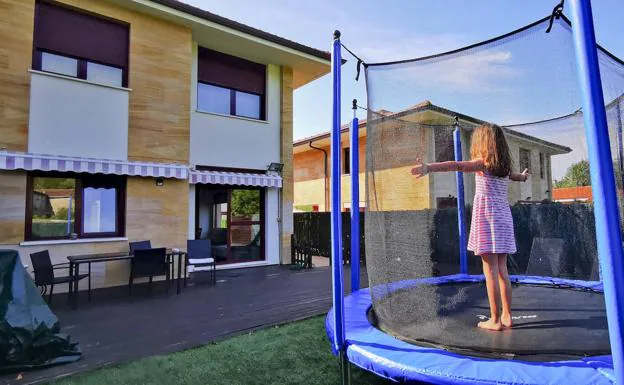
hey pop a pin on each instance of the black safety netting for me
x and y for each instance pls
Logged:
(527, 83)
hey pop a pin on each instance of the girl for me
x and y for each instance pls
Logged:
(491, 232)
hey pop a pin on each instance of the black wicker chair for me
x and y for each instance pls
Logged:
(44, 274)
(149, 263)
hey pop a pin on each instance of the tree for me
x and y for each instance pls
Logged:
(576, 175)
(245, 203)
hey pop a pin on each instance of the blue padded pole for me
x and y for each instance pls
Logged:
(355, 201)
(603, 187)
(461, 207)
(336, 219)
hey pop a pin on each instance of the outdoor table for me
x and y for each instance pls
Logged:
(76, 260)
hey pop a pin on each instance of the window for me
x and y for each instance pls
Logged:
(59, 64)
(446, 203)
(347, 161)
(542, 161)
(76, 44)
(525, 159)
(229, 85)
(69, 205)
(444, 146)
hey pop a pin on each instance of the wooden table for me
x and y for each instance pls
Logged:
(76, 260)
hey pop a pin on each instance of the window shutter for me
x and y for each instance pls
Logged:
(65, 31)
(231, 72)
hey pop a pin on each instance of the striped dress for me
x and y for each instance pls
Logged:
(491, 231)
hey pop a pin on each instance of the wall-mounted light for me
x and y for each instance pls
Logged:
(160, 181)
(276, 167)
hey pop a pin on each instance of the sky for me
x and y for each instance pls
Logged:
(397, 29)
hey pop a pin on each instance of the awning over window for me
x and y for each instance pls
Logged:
(30, 162)
(235, 178)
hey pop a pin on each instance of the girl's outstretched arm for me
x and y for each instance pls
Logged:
(422, 169)
(519, 177)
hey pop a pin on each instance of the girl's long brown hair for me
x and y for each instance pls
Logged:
(489, 144)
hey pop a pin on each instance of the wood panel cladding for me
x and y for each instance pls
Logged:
(16, 37)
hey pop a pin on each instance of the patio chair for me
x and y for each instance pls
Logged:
(199, 258)
(149, 263)
(140, 245)
(44, 274)
(218, 240)
(144, 245)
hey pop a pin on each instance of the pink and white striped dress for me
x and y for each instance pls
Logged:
(491, 230)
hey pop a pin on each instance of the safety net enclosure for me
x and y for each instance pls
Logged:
(417, 320)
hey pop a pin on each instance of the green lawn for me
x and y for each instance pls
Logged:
(296, 353)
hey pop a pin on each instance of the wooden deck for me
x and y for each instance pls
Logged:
(115, 328)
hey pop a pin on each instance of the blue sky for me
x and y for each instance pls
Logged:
(392, 30)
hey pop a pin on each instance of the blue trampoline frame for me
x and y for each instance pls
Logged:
(355, 340)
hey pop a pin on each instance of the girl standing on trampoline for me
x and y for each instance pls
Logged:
(491, 232)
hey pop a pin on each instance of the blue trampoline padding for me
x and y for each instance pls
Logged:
(371, 349)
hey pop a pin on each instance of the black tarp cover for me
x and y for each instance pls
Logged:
(30, 335)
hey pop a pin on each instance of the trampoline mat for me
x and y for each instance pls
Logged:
(550, 323)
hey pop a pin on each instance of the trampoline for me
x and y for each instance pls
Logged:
(416, 320)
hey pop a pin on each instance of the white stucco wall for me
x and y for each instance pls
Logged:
(271, 226)
(76, 118)
(228, 141)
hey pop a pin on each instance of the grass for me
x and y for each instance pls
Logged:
(296, 353)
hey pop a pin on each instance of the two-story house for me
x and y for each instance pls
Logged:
(124, 120)
(432, 142)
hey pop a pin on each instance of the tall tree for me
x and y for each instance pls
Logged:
(577, 175)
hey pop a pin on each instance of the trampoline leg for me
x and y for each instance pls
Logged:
(345, 369)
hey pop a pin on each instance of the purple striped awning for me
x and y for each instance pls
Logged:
(235, 178)
(30, 162)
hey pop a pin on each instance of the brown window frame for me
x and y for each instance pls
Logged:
(446, 202)
(447, 153)
(346, 168)
(82, 181)
(81, 69)
(528, 159)
(233, 73)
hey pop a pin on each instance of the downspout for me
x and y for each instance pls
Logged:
(326, 203)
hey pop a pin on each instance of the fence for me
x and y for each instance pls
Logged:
(573, 223)
(313, 230)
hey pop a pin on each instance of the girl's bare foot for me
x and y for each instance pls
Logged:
(506, 320)
(490, 325)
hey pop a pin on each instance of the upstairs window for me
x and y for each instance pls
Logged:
(444, 146)
(525, 159)
(76, 44)
(230, 86)
(542, 160)
(347, 160)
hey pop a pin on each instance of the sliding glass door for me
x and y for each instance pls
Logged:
(233, 219)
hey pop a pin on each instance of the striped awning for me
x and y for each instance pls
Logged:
(30, 162)
(235, 178)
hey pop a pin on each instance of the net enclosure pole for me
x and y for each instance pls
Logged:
(354, 158)
(336, 214)
(461, 207)
(606, 211)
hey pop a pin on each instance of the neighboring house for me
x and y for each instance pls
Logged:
(581, 194)
(159, 118)
(399, 190)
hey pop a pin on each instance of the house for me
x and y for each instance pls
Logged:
(572, 194)
(159, 118)
(433, 143)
